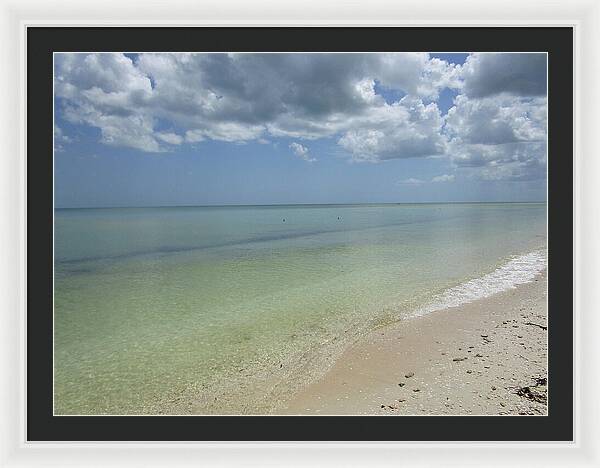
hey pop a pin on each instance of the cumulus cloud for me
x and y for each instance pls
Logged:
(301, 151)
(171, 138)
(512, 161)
(155, 102)
(520, 74)
(443, 178)
(497, 120)
(60, 139)
(411, 181)
(503, 135)
(405, 129)
(497, 129)
(439, 74)
(103, 91)
(60, 136)
(243, 97)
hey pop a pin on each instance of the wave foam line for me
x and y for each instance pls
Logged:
(516, 271)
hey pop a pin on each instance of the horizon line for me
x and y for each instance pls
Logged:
(298, 204)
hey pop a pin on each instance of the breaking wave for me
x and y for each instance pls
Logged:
(518, 270)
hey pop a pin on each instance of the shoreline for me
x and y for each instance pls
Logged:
(442, 359)
(486, 357)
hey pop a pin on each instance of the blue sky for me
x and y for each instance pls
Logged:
(203, 129)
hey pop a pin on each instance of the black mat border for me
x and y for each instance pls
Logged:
(42, 426)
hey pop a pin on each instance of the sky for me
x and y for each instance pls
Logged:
(159, 129)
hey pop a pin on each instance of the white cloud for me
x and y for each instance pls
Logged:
(298, 149)
(515, 161)
(170, 138)
(194, 136)
(234, 132)
(106, 91)
(504, 136)
(109, 72)
(417, 74)
(60, 136)
(365, 90)
(301, 151)
(443, 178)
(439, 74)
(497, 120)
(405, 129)
(60, 139)
(496, 130)
(134, 131)
(243, 97)
(411, 181)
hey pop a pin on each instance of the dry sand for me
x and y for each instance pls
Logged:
(488, 357)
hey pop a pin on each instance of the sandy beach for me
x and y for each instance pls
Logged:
(488, 357)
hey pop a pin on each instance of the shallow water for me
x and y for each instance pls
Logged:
(225, 309)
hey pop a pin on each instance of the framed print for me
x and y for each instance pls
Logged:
(300, 234)
(325, 234)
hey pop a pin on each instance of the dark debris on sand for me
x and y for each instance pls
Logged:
(537, 392)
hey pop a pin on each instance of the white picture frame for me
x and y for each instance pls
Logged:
(17, 15)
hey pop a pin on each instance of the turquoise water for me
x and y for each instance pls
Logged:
(221, 310)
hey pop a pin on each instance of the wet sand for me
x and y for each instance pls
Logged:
(488, 357)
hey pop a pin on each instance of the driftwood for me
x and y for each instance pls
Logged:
(536, 325)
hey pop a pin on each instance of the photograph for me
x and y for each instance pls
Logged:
(300, 234)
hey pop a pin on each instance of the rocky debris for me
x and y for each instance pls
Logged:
(457, 359)
(539, 381)
(536, 392)
(401, 384)
(409, 375)
(527, 392)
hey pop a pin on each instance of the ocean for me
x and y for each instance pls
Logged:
(229, 309)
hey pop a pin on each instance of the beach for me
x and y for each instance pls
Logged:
(487, 357)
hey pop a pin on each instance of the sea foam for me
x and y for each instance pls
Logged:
(516, 271)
